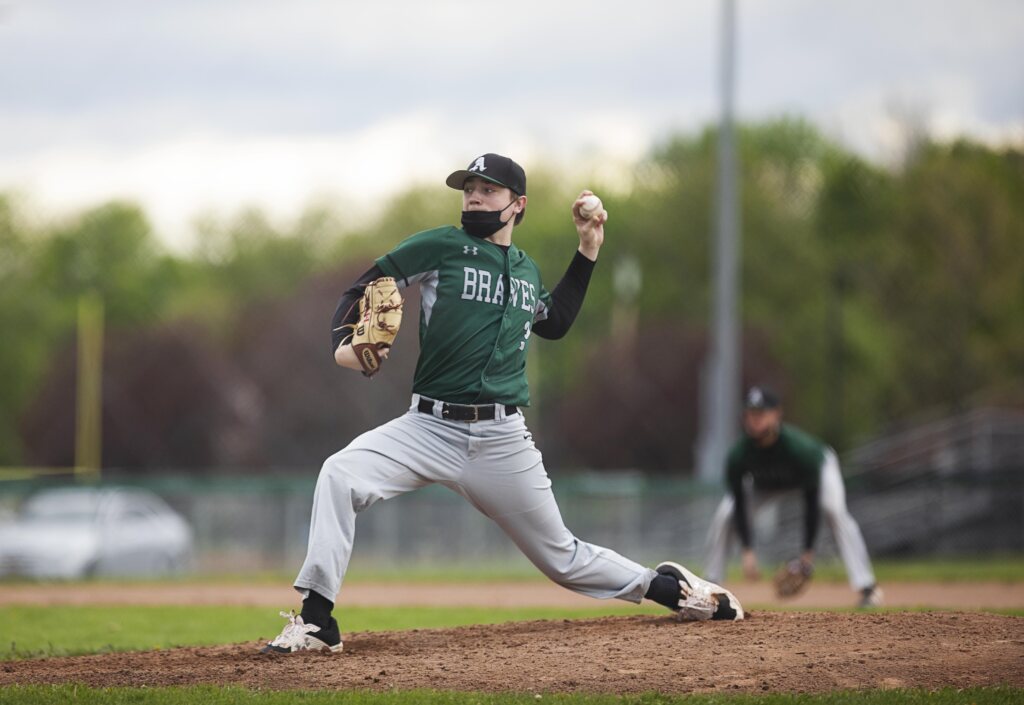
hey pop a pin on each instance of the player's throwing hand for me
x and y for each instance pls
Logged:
(589, 216)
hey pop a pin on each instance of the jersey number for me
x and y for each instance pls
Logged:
(526, 335)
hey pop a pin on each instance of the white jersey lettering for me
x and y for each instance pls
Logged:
(528, 305)
(485, 286)
(469, 282)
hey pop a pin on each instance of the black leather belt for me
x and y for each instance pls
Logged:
(465, 412)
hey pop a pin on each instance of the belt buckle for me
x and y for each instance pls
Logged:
(451, 411)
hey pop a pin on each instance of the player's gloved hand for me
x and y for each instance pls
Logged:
(380, 316)
(793, 577)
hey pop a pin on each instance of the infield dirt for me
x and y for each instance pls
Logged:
(776, 651)
(539, 593)
(772, 651)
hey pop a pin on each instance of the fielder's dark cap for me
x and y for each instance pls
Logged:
(761, 398)
(493, 167)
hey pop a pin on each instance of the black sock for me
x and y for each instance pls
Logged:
(316, 609)
(665, 591)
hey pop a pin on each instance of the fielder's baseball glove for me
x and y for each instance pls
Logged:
(792, 578)
(380, 316)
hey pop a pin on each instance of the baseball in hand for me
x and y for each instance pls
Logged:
(591, 206)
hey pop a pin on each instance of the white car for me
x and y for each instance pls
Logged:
(78, 532)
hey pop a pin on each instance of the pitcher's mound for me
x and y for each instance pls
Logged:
(771, 651)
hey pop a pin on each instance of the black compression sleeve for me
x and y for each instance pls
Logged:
(810, 517)
(348, 310)
(739, 515)
(566, 299)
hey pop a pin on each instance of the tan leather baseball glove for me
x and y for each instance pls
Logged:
(380, 317)
(792, 578)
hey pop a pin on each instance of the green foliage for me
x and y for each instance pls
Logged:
(953, 280)
(209, 695)
(109, 250)
(248, 260)
(879, 293)
(22, 309)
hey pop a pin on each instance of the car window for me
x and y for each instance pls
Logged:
(59, 507)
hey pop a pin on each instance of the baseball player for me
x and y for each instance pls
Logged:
(482, 301)
(772, 458)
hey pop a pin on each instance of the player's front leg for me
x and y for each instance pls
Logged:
(700, 599)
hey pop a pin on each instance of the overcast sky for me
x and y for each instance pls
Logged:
(195, 106)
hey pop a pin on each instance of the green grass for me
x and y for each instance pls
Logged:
(29, 631)
(47, 695)
(1000, 569)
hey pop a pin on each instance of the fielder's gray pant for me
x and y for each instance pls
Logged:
(493, 464)
(832, 498)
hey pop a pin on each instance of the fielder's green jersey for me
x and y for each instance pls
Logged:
(793, 461)
(479, 302)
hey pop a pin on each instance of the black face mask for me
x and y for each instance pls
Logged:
(483, 224)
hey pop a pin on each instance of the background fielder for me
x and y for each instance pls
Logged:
(482, 299)
(773, 458)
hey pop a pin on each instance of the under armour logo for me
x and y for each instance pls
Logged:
(478, 165)
(467, 248)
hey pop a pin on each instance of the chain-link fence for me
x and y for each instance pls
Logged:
(262, 524)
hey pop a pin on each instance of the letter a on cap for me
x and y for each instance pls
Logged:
(478, 165)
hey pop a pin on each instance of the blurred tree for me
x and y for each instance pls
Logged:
(664, 225)
(952, 279)
(112, 251)
(26, 323)
(868, 295)
(247, 259)
(172, 402)
(853, 219)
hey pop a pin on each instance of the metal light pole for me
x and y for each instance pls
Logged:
(720, 381)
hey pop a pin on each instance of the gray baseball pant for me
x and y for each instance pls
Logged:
(832, 496)
(493, 464)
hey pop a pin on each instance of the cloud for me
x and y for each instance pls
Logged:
(214, 104)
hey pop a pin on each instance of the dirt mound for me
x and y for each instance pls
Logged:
(772, 651)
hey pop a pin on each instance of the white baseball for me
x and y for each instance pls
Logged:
(591, 206)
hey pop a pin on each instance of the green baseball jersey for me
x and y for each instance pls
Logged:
(479, 302)
(793, 461)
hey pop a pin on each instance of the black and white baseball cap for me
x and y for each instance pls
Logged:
(493, 167)
(760, 397)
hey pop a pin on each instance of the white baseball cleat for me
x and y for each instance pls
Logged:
(871, 597)
(700, 599)
(298, 636)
